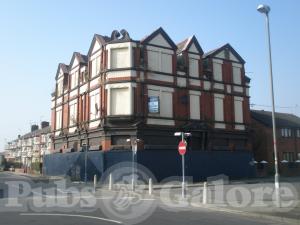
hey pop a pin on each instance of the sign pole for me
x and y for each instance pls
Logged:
(183, 170)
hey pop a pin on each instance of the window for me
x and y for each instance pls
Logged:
(159, 61)
(166, 63)
(286, 132)
(167, 105)
(119, 104)
(193, 67)
(83, 77)
(219, 109)
(74, 79)
(237, 79)
(288, 156)
(60, 87)
(165, 102)
(94, 106)
(153, 104)
(298, 133)
(73, 114)
(95, 66)
(58, 119)
(238, 110)
(217, 68)
(194, 107)
(119, 58)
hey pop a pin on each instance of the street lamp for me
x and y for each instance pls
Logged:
(182, 134)
(134, 151)
(265, 9)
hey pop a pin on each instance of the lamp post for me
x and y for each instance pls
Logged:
(134, 151)
(265, 9)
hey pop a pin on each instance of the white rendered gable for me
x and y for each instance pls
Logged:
(232, 57)
(193, 48)
(96, 47)
(160, 41)
(75, 63)
(221, 55)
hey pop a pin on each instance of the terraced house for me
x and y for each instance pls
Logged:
(147, 89)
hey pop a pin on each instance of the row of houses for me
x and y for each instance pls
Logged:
(30, 148)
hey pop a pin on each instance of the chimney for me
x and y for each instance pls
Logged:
(44, 124)
(34, 128)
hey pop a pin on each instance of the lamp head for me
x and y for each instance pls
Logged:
(263, 8)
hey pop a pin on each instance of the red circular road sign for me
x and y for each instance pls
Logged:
(182, 147)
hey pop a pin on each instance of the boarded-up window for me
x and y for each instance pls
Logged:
(95, 66)
(94, 105)
(58, 119)
(238, 110)
(236, 75)
(166, 104)
(219, 109)
(217, 67)
(159, 61)
(153, 60)
(73, 114)
(74, 79)
(193, 67)
(119, 58)
(195, 107)
(166, 63)
(120, 101)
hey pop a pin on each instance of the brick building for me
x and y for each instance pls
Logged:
(288, 140)
(148, 89)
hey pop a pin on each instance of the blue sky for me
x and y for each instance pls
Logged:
(36, 35)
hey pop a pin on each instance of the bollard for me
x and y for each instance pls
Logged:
(204, 200)
(150, 186)
(95, 182)
(110, 182)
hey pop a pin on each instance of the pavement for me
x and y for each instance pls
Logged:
(164, 206)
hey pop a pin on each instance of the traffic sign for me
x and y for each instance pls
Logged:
(182, 147)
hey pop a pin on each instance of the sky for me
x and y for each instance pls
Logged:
(37, 35)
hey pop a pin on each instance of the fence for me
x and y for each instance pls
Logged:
(162, 163)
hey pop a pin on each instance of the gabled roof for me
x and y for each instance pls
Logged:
(82, 59)
(282, 120)
(155, 33)
(63, 67)
(227, 46)
(102, 40)
(186, 44)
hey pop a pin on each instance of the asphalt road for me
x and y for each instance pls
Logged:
(97, 209)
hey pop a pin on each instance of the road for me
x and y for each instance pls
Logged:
(97, 209)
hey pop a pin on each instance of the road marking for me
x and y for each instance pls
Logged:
(70, 215)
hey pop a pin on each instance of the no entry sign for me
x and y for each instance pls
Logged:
(182, 147)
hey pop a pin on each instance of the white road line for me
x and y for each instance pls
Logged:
(70, 215)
